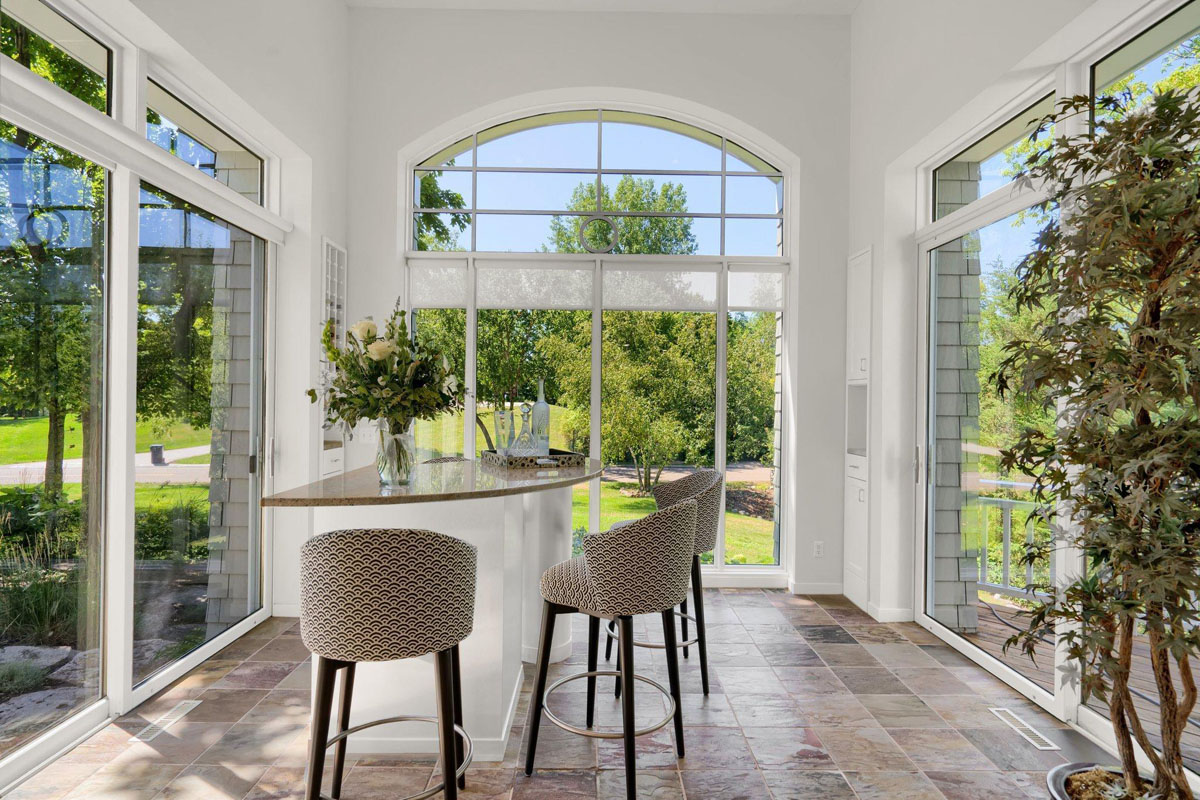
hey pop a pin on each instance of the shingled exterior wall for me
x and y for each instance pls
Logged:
(230, 481)
(957, 521)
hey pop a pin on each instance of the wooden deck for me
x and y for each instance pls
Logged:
(998, 622)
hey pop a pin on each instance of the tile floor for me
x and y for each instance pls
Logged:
(810, 698)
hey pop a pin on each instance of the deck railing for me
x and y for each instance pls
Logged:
(1005, 586)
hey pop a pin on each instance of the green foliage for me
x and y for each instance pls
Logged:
(51, 62)
(20, 677)
(1115, 296)
(389, 377)
(39, 601)
(27, 513)
(654, 235)
(750, 397)
(438, 231)
(178, 532)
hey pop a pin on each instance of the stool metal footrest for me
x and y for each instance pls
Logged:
(603, 673)
(468, 750)
(611, 630)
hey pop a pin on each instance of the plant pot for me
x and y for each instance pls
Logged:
(396, 454)
(1056, 779)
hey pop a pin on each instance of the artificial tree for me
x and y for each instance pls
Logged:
(1115, 281)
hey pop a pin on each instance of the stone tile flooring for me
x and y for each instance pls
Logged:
(810, 698)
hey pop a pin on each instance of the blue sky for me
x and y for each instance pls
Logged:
(627, 147)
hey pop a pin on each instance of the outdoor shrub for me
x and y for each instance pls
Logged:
(39, 604)
(167, 533)
(24, 513)
(20, 677)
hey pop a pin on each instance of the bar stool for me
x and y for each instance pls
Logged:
(383, 595)
(705, 487)
(640, 569)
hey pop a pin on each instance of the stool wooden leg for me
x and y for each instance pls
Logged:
(608, 644)
(339, 749)
(668, 620)
(549, 611)
(701, 636)
(319, 729)
(625, 649)
(593, 646)
(683, 621)
(447, 734)
(458, 712)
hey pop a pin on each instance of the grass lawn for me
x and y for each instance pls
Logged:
(147, 495)
(24, 440)
(748, 540)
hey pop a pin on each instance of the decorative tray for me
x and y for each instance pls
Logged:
(557, 458)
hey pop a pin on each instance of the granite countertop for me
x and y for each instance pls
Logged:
(454, 480)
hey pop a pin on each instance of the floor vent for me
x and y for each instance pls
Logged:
(165, 721)
(1027, 731)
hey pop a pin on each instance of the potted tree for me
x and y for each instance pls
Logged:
(1115, 284)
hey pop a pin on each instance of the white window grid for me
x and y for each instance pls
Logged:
(598, 174)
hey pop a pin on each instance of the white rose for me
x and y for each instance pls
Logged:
(364, 329)
(380, 349)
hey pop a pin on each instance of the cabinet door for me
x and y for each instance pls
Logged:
(858, 316)
(854, 572)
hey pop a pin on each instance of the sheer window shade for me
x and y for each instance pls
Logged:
(437, 283)
(654, 289)
(755, 290)
(505, 284)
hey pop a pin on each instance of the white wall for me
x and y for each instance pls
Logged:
(783, 76)
(287, 65)
(927, 77)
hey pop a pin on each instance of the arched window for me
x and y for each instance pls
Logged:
(598, 181)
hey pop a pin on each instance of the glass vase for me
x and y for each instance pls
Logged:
(396, 455)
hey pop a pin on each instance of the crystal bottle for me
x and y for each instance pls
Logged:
(541, 421)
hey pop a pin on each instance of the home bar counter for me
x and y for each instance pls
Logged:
(519, 520)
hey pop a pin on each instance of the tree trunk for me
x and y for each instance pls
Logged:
(52, 484)
(487, 437)
(1120, 704)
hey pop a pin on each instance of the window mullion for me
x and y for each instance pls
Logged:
(121, 440)
(719, 457)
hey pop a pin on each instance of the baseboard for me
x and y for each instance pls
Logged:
(749, 579)
(890, 614)
(814, 587)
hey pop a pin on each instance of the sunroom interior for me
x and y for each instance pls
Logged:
(768, 238)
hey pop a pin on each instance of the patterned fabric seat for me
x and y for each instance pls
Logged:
(568, 584)
(704, 487)
(385, 594)
(381, 595)
(639, 568)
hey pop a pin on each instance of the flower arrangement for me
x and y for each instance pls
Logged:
(389, 379)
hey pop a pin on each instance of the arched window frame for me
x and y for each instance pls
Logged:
(726, 268)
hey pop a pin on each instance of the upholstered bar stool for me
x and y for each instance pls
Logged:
(384, 595)
(640, 569)
(705, 487)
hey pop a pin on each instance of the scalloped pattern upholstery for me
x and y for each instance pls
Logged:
(705, 487)
(642, 568)
(385, 594)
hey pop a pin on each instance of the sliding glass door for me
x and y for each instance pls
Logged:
(53, 270)
(199, 390)
(980, 517)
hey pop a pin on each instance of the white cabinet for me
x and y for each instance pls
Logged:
(854, 572)
(857, 501)
(858, 317)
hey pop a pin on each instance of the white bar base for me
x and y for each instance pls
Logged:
(517, 538)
